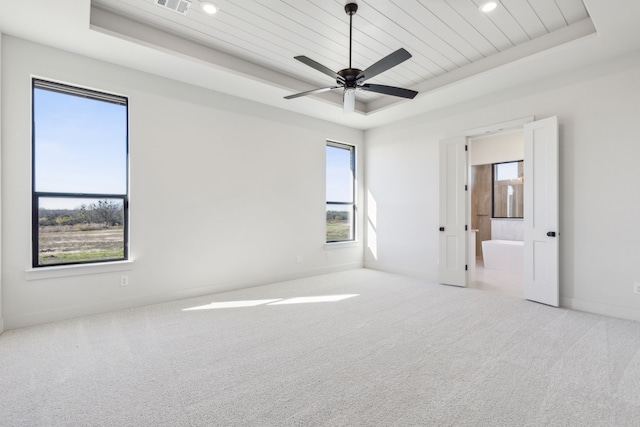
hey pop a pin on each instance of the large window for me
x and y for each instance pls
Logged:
(340, 192)
(80, 175)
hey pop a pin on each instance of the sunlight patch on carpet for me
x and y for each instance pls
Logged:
(277, 301)
(304, 300)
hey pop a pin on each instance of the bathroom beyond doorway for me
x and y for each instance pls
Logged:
(493, 221)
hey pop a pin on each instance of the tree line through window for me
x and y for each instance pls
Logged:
(340, 180)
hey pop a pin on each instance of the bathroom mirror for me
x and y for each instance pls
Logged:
(507, 189)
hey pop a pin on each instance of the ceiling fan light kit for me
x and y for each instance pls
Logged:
(352, 79)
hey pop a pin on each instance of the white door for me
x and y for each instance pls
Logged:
(541, 219)
(453, 212)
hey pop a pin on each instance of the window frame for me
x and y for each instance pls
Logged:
(38, 83)
(493, 191)
(352, 165)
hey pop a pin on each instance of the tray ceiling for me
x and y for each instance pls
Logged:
(462, 58)
(449, 39)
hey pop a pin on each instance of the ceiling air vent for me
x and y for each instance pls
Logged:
(178, 6)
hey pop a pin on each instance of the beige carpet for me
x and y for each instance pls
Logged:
(377, 350)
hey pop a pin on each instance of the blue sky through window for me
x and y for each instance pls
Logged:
(339, 175)
(80, 146)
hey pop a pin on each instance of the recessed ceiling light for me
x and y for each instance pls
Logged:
(208, 7)
(488, 6)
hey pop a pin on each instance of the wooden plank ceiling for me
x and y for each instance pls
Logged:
(442, 35)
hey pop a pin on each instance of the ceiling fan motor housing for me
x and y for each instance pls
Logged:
(350, 77)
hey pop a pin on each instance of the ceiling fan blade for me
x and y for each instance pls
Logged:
(390, 90)
(349, 101)
(316, 65)
(389, 61)
(311, 92)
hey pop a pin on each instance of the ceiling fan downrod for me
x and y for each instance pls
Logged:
(349, 75)
(351, 9)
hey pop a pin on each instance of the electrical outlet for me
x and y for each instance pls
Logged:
(124, 280)
(636, 288)
(299, 258)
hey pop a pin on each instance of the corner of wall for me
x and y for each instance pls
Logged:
(426, 275)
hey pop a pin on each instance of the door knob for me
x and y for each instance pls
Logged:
(551, 234)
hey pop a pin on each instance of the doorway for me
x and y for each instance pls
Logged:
(541, 209)
(496, 180)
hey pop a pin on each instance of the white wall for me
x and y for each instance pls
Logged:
(598, 111)
(496, 148)
(225, 193)
(507, 229)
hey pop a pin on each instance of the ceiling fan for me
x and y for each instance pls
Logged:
(352, 79)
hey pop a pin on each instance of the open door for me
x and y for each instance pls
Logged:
(453, 212)
(541, 218)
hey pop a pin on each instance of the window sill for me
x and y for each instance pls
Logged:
(340, 245)
(78, 270)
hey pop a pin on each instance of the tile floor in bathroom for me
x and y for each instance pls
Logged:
(504, 282)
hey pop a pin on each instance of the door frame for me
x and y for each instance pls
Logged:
(483, 131)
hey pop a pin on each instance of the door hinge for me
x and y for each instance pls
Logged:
(466, 188)
(466, 228)
(466, 148)
(466, 268)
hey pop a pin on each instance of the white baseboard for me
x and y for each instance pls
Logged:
(427, 275)
(31, 319)
(571, 303)
(601, 308)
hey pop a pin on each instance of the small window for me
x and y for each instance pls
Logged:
(80, 175)
(340, 192)
(508, 190)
